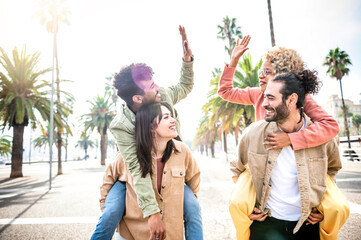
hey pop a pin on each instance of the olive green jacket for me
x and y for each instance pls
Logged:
(123, 129)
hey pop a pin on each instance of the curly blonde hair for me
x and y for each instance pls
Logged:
(284, 60)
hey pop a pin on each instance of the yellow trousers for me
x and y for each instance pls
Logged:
(334, 208)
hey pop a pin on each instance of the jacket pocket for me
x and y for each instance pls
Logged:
(318, 170)
(177, 180)
(257, 164)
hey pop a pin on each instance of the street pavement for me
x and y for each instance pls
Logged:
(70, 210)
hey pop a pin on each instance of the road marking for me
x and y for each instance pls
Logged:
(49, 220)
(348, 180)
(354, 208)
(14, 192)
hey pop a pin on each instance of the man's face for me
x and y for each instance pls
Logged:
(151, 91)
(276, 109)
(265, 75)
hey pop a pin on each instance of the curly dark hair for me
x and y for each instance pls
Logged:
(301, 83)
(125, 82)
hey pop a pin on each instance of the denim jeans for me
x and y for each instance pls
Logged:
(192, 215)
(114, 209)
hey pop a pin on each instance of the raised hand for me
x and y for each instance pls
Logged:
(238, 50)
(187, 52)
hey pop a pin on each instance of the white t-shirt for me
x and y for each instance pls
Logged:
(284, 200)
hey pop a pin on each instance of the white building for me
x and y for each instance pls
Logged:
(333, 106)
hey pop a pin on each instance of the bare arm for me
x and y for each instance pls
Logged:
(323, 129)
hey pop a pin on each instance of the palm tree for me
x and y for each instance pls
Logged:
(356, 121)
(21, 94)
(206, 135)
(273, 42)
(5, 146)
(43, 139)
(85, 143)
(51, 13)
(231, 32)
(110, 90)
(337, 62)
(100, 117)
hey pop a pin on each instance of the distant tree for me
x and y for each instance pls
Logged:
(229, 31)
(337, 62)
(356, 121)
(85, 143)
(99, 118)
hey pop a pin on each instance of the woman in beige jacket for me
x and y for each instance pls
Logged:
(170, 164)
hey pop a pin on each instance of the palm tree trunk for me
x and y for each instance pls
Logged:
(17, 152)
(60, 140)
(103, 149)
(212, 149)
(271, 23)
(345, 117)
(60, 168)
(224, 141)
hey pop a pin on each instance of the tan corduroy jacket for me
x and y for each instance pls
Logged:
(313, 165)
(179, 169)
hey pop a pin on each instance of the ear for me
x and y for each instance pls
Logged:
(138, 99)
(293, 98)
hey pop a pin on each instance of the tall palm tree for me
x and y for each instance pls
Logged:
(356, 121)
(22, 95)
(85, 143)
(337, 62)
(273, 42)
(51, 13)
(100, 117)
(5, 146)
(230, 32)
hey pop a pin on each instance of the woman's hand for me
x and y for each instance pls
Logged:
(257, 215)
(238, 50)
(315, 217)
(276, 140)
(156, 227)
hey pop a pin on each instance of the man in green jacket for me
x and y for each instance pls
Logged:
(135, 85)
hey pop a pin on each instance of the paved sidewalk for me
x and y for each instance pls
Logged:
(71, 210)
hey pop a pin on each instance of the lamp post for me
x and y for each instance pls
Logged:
(52, 104)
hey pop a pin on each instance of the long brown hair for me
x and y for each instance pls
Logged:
(148, 118)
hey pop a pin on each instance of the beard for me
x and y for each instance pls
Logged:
(280, 113)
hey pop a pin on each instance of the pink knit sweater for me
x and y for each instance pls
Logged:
(324, 126)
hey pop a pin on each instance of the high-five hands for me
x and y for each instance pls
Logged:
(238, 50)
(187, 52)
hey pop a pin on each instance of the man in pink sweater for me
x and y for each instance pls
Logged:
(324, 128)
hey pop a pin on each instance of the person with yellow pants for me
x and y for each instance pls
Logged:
(276, 61)
(243, 199)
